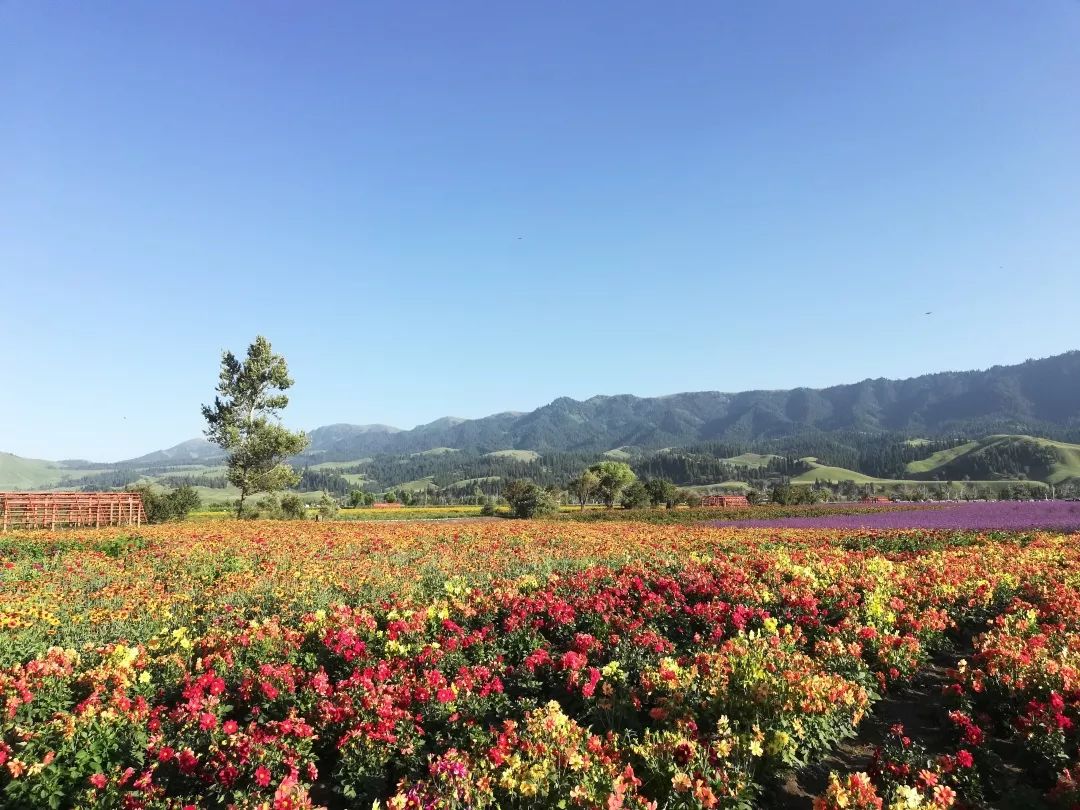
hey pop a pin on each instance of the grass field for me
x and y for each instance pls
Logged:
(469, 483)
(418, 485)
(751, 459)
(517, 455)
(338, 465)
(1066, 464)
(939, 458)
(29, 473)
(715, 489)
(835, 475)
(821, 472)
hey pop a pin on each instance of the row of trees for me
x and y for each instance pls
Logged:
(607, 482)
(244, 421)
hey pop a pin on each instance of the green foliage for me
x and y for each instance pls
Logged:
(582, 487)
(162, 507)
(635, 496)
(527, 500)
(358, 499)
(243, 421)
(292, 507)
(328, 507)
(661, 492)
(614, 477)
(117, 547)
(689, 497)
(788, 495)
(487, 508)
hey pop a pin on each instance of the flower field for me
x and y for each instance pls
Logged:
(530, 664)
(1063, 516)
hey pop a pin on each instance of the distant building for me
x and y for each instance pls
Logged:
(875, 499)
(726, 501)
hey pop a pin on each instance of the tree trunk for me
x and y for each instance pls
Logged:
(240, 506)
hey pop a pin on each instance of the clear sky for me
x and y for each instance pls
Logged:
(459, 208)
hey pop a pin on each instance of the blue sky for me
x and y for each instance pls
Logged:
(463, 208)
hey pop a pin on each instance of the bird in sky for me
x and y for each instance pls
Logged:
(928, 313)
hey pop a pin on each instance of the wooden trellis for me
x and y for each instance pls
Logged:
(53, 510)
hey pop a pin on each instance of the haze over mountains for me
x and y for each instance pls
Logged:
(1038, 397)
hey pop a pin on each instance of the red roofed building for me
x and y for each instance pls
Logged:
(726, 501)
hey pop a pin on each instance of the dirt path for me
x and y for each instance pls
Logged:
(918, 705)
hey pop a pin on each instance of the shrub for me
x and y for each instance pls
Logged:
(293, 507)
(358, 498)
(162, 507)
(689, 497)
(328, 507)
(527, 500)
(636, 496)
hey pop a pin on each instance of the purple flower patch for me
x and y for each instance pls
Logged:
(1061, 516)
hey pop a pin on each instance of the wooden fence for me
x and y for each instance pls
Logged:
(52, 510)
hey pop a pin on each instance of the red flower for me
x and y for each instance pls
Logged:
(573, 660)
(262, 776)
(187, 761)
(99, 781)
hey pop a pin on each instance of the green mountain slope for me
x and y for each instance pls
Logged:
(1002, 456)
(31, 473)
(821, 472)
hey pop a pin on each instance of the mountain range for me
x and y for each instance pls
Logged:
(1039, 397)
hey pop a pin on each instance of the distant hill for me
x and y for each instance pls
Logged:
(1039, 396)
(1035, 398)
(24, 473)
(31, 473)
(193, 451)
(1002, 456)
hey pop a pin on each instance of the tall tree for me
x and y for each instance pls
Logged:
(583, 486)
(662, 492)
(244, 421)
(615, 476)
